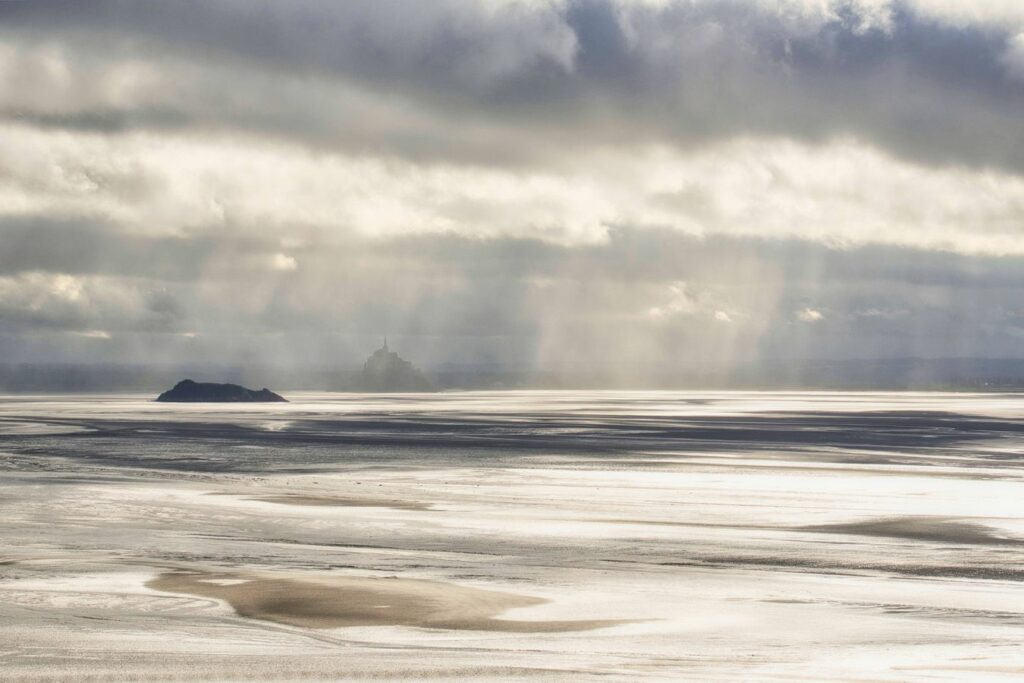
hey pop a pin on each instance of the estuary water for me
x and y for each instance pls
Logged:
(514, 535)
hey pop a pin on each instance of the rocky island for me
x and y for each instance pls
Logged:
(188, 391)
(386, 371)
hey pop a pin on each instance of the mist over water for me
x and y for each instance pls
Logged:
(615, 535)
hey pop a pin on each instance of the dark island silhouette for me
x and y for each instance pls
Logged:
(188, 391)
(386, 371)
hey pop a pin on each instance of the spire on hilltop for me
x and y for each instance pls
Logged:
(385, 370)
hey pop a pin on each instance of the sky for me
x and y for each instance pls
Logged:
(642, 186)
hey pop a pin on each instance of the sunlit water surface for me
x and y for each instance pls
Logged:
(731, 536)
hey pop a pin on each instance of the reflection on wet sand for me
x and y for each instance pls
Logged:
(608, 536)
(936, 529)
(331, 501)
(337, 602)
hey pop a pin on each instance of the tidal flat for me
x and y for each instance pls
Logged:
(514, 535)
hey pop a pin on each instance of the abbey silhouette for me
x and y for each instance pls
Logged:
(386, 371)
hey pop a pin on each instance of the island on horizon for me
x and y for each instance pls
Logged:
(386, 371)
(188, 391)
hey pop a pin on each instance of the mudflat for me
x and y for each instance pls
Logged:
(326, 501)
(921, 529)
(337, 602)
(496, 536)
(332, 501)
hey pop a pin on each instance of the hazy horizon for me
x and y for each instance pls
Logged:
(887, 374)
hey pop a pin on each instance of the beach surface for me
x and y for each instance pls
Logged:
(514, 535)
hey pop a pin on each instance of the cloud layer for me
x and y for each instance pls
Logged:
(636, 185)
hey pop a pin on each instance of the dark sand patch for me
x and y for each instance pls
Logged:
(936, 529)
(337, 602)
(332, 501)
(324, 501)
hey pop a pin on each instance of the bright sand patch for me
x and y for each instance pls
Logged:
(337, 602)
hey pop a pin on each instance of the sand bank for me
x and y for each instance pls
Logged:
(338, 602)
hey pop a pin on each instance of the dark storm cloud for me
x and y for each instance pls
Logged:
(35, 303)
(79, 245)
(581, 72)
(101, 120)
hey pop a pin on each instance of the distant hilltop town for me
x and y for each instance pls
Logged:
(386, 371)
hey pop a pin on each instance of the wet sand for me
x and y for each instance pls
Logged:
(936, 529)
(591, 536)
(302, 500)
(336, 602)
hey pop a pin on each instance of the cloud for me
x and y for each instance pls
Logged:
(83, 305)
(842, 193)
(1013, 58)
(284, 262)
(638, 184)
(925, 80)
(93, 334)
(643, 300)
(678, 302)
(809, 315)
